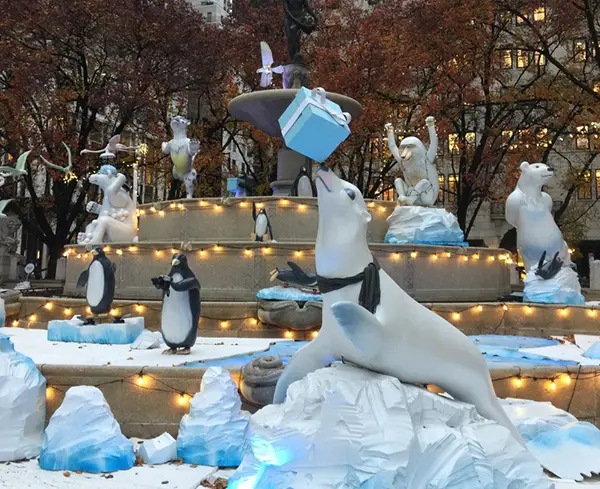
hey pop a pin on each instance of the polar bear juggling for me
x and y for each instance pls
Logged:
(420, 185)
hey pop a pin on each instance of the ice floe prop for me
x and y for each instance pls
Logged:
(345, 425)
(83, 435)
(566, 447)
(280, 293)
(147, 340)
(424, 225)
(2, 312)
(562, 288)
(214, 431)
(22, 404)
(159, 450)
(314, 126)
(74, 330)
(593, 351)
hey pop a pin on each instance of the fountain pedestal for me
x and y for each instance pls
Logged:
(263, 110)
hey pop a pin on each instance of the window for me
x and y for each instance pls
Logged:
(507, 59)
(597, 183)
(148, 177)
(584, 189)
(388, 194)
(522, 59)
(582, 138)
(453, 143)
(209, 17)
(441, 180)
(596, 87)
(539, 59)
(539, 14)
(579, 51)
(452, 188)
(520, 19)
(470, 139)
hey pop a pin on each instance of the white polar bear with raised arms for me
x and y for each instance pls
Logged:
(420, 185)
(530, 211)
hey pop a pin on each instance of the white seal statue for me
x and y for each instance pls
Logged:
(183, 150)
(117, 220)
(421, 184)
(389, 332)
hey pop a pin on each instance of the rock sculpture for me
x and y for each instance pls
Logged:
(183, 150)
(117, 220)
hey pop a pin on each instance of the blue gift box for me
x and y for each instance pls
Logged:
(314, 126)
(232, 184)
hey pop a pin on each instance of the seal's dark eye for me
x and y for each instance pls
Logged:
(350, 193)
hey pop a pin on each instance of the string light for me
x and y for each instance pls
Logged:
(475, 256)
(182, 400)
(202, 203)
(248, 252)
(218, 208)
(314, 334)
(253, 321)
(413, 254)
(266, 251)
(161, 213)
(88, 310)
(298, 253)
(217, 247)
(289, 334)
(243, 204)
(456, 316)
(465, 258)
(139, 308)
(49, 393)
(566, 378)
(284, 202)
(592, 313)
(491, 258)
(15, 323)
(106, 249)
(528, 310)
(563, 313)
(68, 312)
(434, 257)
(132, 249)
(518, 381)
(202, 253)
(448, 254)
(114, 312)
(224, 324)
(119, 252)
(396, 256)
(552, 385)
(48, 306)
(33, 318)
(479, 308)
(140, 380)
(505, 307)
(301, 207)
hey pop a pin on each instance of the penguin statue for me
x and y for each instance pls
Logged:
(180, 306)
(303, 185)
(100, 281)
(262, 225)
(295, 277)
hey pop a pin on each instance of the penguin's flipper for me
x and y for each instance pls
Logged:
(186, 284)
(254, 211)
(313, 187)
(270, 230)
(83, 278)
(299, 273)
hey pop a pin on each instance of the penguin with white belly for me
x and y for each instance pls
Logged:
(262, 225)
(100, 281)
(180, 307)
(303, 186)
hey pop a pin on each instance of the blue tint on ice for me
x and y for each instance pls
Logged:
(71, 330)
(280, 293)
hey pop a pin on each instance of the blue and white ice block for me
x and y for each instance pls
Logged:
(2, 313)
(73, 330)
(279, 293)
(314, 126)
(563, 288)
(214, 432)
(83, 435)
(22, 404)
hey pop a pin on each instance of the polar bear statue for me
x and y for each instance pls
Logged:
(183, 150)
(529, 209)
(420, 185)
(117, 220)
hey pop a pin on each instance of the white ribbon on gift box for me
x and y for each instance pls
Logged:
(318, 98)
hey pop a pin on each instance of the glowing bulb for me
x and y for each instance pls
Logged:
(302, 207)
(217, 248)
(106, 249)
(248, 252)
(68, 312)
(88, 310)
(552, 385)
(371, 204)
(161, 213)
(243, 204)
(182, 400)
(563, 313)
(140, 380)
(528, 310)
(202, 203)
(447, 254)
(518, 382)
(314, 334)
(119, 252)
(566, 378)
(48, 306)
(492, 258)
(396, 256)
(114, 312)
(456, 316)
(132, 249)
(15, 323)
(479, 308)
(465, 258)
(592, 313)
(476, 256)
(253, 321)
(434, 257)
(78, 255)
(266, 251)
(289, 334)
(157, 252)
(32, 318)
(202, 253)
(152, 209)
(173, 251)
(224, 324)
(298, 254)
(505, 307)
(49, 393)
(173, 205)
(381, 208)
(142, 212)
(260, 205)
(218, 208)
(139, 308)
(413, 254)
(284, 202)
(181, 207)
(571, 251)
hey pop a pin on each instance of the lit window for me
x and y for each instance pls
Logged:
(470, 139)
(522, 59)
(584, 189)
(541, 133)
(452, 188)
(388, 194)
(596, 87)
(441, 180)
(520, 19)
(579, 51)
(582, 138)
(539, 59)
(453, 143)
(148, 177)
(539, 14)
(507, 59)
(597, 183)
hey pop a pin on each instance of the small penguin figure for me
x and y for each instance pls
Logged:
(295, 277)
(180, 307)
(262, 225)
(303, 185)
(100, 281)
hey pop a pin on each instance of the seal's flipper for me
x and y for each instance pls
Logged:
(83, 278)
(361, 327)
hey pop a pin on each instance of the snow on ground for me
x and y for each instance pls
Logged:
(33, 343)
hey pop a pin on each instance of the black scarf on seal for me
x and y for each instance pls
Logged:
(370, 291)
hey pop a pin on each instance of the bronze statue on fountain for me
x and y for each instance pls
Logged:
(299, 18)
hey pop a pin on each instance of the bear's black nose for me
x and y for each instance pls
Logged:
(550, 169)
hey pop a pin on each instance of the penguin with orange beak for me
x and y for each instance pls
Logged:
(180, 306)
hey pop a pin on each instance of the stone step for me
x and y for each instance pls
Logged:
(237, 270)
